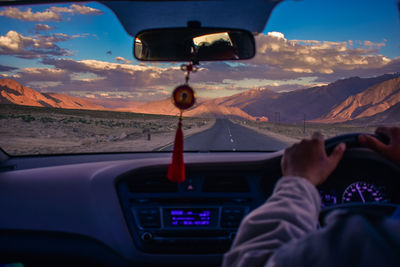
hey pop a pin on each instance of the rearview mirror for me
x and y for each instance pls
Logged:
(194, 44)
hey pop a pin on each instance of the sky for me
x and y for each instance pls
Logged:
(81, 49)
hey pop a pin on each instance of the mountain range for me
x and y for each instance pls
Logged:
(360, 100)
(11, 92)
(374, 100)
(314, 103)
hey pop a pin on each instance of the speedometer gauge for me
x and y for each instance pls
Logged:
(362, 192)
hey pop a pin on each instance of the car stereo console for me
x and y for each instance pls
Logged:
(180, 226)
(200, 215)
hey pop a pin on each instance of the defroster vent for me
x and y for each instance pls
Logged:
(226, 184)
(152, 184)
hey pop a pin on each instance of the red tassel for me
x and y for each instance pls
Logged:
(176, 170)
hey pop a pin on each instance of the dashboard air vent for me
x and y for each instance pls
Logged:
(152, 184)
(225, 184)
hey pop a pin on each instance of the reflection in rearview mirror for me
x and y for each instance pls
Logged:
(194, 44)
(215, 45)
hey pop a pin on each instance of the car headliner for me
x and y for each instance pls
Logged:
(135, 16)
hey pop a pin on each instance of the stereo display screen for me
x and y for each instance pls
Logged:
(196, 217)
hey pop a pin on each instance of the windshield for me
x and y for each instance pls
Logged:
(69, 82)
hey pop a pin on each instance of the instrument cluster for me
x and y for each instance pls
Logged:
(363, 181)
(356, 192)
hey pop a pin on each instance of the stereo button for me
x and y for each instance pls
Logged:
(231, 217)
(149, 217)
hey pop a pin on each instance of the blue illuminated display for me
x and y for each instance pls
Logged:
(189, 217)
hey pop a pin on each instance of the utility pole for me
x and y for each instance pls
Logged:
(277, 117)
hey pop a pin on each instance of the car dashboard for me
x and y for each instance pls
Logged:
(125, 204)
(200, 215)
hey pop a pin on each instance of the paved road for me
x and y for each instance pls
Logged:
(228, 136)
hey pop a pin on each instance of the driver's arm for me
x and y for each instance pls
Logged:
(292, 210)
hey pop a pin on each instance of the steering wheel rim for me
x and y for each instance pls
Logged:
(369, 210)
(351, 140)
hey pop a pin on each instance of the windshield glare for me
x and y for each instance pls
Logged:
(70, 84)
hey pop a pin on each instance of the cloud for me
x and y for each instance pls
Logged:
(281, 59)
(317, 57)
(82, 35)
(282, 65)
(278, 35)
(21, 46)
(392, 67)
(28, 15)
(77, 9)
(7, 68)
(50, 14)
(146, 82)
(85, 10)
(150, 82)
(219, 71)
(43, 75)
(116, 73)
(42, 27)
(122, 60)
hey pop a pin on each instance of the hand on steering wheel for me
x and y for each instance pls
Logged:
(390, 150)
(315, 160)
(309, 159)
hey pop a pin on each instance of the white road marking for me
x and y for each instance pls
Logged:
(229, 130)
(233, 149)
(231, 140)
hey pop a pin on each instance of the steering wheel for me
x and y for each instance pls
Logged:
(370, 209)
(351, 140)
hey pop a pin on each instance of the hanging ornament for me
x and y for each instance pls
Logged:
(183, 98)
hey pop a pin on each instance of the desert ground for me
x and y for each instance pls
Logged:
(293, 132)
(28, 130)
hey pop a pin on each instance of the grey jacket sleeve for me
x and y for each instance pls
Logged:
(290, 213)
